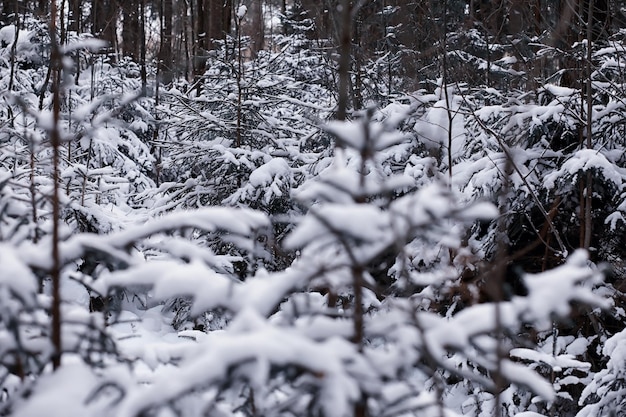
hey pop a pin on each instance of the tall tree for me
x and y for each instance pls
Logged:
(318, 12)
(571, 27)
(213, 22)
(142, 47)
(9, 11)
(219, 21)
(166, 62)
(491, 15)
(75, 16)
(131, 29)
(253, 26)
(42, 7)
(201, 44)
(104, 21)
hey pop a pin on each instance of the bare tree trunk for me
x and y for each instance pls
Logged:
(518, 19)
(9, 11)
(227, 14)
(142, 50)
(166, 62)
(42, 7)
(187, 35)
(75, 24)
(55, 140)
(201, 39)
(240, 75)
(13, 64)
(253, 26)
(33, 192)
(104, 22)
(62, 25)
(589, 131)
(318, 11)
(75, 16)
(218, 18)
(345, 58)
(213, 22)
(131, 29)
(358, 51)
(537, 20)
(444, 86)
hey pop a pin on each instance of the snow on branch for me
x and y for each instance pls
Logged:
(584, 160)
(242, 222)
(249, 351)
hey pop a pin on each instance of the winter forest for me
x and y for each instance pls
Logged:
(312, 208)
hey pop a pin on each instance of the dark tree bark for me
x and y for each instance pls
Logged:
(55, 141)
(213, 22)
(600, 18)
(10, 9)
(201, 45)
(537, 20)
(219, 15)
(491, 16)
(104, 21)
(75, 16)
(318, 12)
(254, 27)
(142, 46)
(575, 17)
(185, 33)
(131, 29)
(42, 7)
(345, 58)
(166, 62)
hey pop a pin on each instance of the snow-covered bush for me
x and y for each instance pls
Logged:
(225, 250)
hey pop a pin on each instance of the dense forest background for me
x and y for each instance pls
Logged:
(312, 208)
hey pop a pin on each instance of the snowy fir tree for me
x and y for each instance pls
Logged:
(312, 208)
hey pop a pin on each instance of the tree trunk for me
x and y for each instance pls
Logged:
(131, 29)
(345, 59)
(104, 21)
(55, 141)
(187, 36)
(142, 46)
(317, 11)
(166, 63)
(42, 7)
(75, 16)
(491, 15)
(218, 15)
(600, 18)
(9, 11)
(201, 39)
(253, 26)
